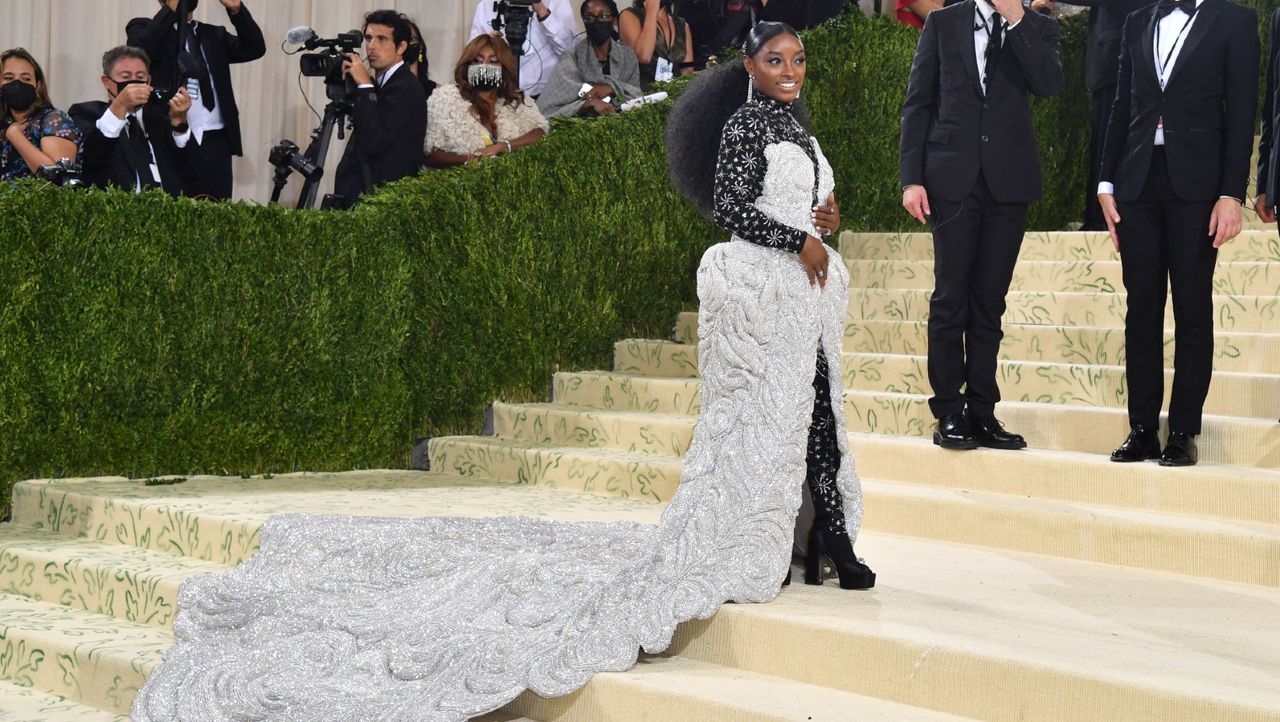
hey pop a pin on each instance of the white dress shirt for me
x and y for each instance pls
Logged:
(548, 40)
(1173, 31)
(112, 127)
(982, 25)
(200, 118)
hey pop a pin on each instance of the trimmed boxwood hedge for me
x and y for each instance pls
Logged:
(142, 335)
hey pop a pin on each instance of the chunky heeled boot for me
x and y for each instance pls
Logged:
(835, 548)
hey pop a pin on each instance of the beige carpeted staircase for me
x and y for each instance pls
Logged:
(1045, 584)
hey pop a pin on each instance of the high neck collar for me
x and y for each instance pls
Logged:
(769, 103)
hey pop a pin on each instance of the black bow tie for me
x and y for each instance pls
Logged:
(1164, 7)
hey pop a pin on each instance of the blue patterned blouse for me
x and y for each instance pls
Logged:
(47, 121)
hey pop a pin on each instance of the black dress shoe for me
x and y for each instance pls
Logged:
(1143, 444)
(953, 432)
(1180, 451)
(990, 433)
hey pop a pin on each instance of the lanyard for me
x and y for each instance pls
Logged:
(1164, 64)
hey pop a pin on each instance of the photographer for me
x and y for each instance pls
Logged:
(609, 67)
(137, 140)
(390, 110)
(206, 58)
(551, 34)
(33, 133)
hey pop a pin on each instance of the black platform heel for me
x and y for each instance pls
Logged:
(836, 548)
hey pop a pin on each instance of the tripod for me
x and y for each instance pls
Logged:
(335, 115)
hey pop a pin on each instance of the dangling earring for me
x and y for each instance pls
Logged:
(751, 87)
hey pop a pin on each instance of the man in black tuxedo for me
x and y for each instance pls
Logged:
(968, 158)
(205, 59)
(1101, 63)
(133, 142)
(1174, 171)
(390, 115)
(1268, 148)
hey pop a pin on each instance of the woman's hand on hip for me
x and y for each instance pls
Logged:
(814, 259)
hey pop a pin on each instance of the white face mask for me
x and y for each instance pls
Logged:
(484, 76)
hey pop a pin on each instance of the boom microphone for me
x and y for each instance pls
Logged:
(299, 35)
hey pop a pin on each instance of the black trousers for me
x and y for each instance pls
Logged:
(822, 461)
(209, 166)
(975, 246)
(1102, 100)
(1164, 242)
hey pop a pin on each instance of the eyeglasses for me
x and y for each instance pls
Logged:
(602, 17)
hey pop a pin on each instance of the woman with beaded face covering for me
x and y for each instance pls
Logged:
(483, 113)
(443, 619)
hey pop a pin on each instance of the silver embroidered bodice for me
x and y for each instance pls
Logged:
(442, 619)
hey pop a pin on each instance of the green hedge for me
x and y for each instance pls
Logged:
(145, 335)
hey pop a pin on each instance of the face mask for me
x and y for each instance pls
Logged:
(484, 76)
(18, 96)
(121, 85)
(599, 31)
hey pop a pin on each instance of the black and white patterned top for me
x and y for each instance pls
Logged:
(751, 145)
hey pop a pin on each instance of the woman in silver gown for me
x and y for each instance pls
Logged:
(443, 619)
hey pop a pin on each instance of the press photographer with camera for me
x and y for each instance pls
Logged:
(33, 133)
(139, 137)
(538, 32)
(198, 56)
(389, 112)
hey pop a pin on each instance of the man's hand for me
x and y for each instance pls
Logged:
(354, 68)
(130, 99)
(541, 10)
(232, 6)
(1112, 216)
(1011, 10)
(916, 201)
(1265, 213)
(178, 107)
(1042, 6)
(1225, 222)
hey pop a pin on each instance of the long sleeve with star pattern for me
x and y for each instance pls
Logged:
(740, 173)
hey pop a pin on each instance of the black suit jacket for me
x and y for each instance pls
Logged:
(951, 132)
(159, 37)
(1267, 147)
(104, 162)
(1208, 105)
(1106, 26)
(390, 129)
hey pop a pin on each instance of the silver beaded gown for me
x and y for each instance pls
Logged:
(443, 619)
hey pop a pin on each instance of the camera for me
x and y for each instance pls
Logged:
(512, 18)
(63, 174)
(328, 64)
(286, 157)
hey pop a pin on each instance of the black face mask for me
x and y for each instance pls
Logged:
(122, 84)
(18, 96)
(599, 31)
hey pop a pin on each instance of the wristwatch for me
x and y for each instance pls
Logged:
(180, 128)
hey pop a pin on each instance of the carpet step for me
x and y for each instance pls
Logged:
(1245, 278)
(1237, 352)
(1006, 636)
(125, 582)
(216, 519)
(1238, 394)
(24, 704)
(675, 689)
(1252, 245)
(87, 658)
(1224, 439)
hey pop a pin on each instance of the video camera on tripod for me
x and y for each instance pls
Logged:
(285, 156)
(512, 18)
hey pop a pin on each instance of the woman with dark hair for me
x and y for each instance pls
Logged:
(35, 133)
(446, 618)
(415, 58)
(661, 41)
(483, 113)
